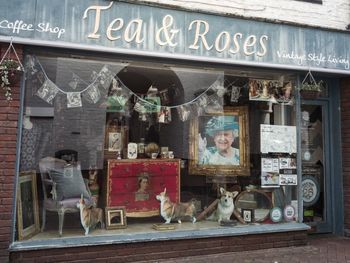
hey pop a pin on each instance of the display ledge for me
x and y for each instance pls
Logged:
(103, 237)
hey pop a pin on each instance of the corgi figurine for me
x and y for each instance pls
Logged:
(172, 211)
(89, 216)
(225, 206)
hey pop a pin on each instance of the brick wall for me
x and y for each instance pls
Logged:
(162, 250)
(345, 120)
(329, 14)
(8, 129)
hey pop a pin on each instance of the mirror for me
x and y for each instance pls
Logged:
(253, 205)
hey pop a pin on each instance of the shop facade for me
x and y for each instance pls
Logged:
(152, 115)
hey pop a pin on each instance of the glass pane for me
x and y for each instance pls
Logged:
(148, 143)
(313, 182)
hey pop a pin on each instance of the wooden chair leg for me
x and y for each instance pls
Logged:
(60, 221)
(43, 219)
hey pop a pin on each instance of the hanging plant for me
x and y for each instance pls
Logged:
(10, 71)
(310, 88)
(9, 76)
(313, 86)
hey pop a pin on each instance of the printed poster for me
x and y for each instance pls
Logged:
(269, 172)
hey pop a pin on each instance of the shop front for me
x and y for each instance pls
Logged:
(150, 133)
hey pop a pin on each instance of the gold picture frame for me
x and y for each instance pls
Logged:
(203, 143)
(115, 217)
(27, 205)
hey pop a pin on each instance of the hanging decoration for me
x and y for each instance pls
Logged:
(152, 105)
(93, 93)
(164, 115)
(74, 100)
(10, 70)
(118, 97)
(47, 91)
(74, 82)
(105, 77)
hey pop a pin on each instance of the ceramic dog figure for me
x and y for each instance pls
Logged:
(225, 206)
(89, 216)
(171, 211)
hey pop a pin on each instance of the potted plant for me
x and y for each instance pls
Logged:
(311, 89)
(9, 76)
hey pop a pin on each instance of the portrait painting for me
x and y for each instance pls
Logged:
(219, 143)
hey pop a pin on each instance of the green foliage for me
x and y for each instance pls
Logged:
(312, 86)
(8, 67)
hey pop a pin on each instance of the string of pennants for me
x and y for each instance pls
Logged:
(118, 100)
(107, 82)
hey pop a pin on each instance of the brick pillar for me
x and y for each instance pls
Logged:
(8, 135)
(345, 130)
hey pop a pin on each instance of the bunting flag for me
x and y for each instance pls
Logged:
(73, 100)
(47, 91)
(118, 99)
(74, 82)
(218, 86)
(118, 96)
(164, 115)
(105, 77)
(184, 112)
(92, 93)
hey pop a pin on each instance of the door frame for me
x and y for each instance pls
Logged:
(334, 214)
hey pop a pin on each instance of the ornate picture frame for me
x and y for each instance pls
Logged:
(27, 205)
(115, 217)
(208, 145)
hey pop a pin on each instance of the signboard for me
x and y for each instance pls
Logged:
(140, 29)
(278, 139)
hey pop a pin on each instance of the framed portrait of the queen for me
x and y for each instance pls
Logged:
(219, 143)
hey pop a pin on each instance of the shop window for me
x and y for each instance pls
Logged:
(154, 144)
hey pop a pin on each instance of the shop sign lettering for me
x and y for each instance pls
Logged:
(315, 58)
(167, 34)
(18, 26)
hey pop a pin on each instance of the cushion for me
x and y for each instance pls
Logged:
(69, 182)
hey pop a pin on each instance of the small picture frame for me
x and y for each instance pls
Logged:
(115, 217)
(27, 205)
(247, 215)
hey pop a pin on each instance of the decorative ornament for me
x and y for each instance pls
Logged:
(310, 189)
(289, 213)
(276, 214)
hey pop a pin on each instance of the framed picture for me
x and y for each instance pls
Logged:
(115, 217)
(219, 143)
(116, 138)
(247, 215)
(27, 205)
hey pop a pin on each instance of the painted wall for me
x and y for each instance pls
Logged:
(330, 14)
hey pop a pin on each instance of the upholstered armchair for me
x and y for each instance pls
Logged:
(62, 185)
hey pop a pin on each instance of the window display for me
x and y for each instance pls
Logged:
(152, 144)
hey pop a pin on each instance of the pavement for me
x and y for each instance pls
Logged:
(320, 249)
